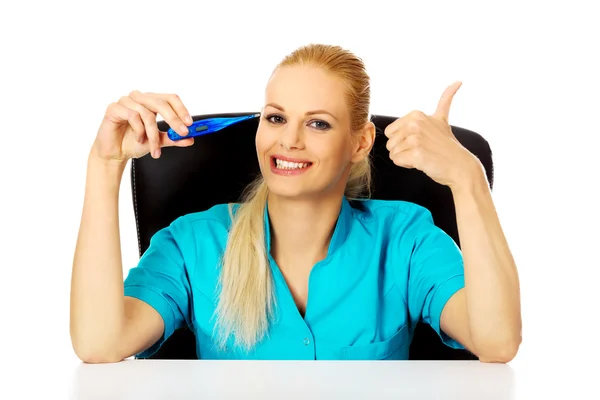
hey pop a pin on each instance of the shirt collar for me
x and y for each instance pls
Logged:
(340, 233)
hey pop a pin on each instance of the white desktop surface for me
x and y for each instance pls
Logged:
(531, 379)
(201, 379)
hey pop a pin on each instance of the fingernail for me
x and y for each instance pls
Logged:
(184, 129)
(156, 153)
(189, 119)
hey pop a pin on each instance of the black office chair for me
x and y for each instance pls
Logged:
(218, 167)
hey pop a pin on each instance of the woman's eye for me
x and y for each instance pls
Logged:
(322, 125)
(317, 124)
(276, 119)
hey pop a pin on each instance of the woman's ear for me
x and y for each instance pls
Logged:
(363, 142)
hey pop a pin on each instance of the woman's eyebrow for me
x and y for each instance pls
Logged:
(277, 106)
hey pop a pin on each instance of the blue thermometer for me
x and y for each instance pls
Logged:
(208, 125)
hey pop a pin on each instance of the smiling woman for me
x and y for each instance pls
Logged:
(310, 139)
(306, 266)
(318, 139)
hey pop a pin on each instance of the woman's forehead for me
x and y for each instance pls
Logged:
(303, 89)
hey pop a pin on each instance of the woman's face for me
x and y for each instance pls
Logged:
(303, 138)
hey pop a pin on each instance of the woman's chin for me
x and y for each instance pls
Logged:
(291, 190)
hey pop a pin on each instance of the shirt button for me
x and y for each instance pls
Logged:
(306, 341)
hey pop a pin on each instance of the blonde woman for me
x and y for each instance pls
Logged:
(296, 270)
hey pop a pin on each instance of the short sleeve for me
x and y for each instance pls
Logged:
(161, 280)
(436, 273)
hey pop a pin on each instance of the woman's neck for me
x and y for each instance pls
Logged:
(302, 229)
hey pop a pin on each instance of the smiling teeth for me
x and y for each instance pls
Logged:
(290, 165)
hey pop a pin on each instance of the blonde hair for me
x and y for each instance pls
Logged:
(246, 299)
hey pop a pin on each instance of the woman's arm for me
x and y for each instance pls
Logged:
(486, 315)
(105, 325)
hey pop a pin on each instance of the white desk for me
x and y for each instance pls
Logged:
(154, 379)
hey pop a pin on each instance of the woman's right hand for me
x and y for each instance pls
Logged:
(129, 128)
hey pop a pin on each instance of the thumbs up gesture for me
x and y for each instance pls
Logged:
(426, 142)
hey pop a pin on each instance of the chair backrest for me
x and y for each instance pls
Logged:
(217, 168)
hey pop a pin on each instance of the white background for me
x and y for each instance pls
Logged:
(530, 72)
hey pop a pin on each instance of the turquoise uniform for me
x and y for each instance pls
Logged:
(387, 268)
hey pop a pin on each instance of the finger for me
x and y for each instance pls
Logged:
(443, 108)
(119, 112)
(405, 129)
(397, 139)
(177, 105)
(166, 142)
(135, 109)
(158, 103)
(149, 119)
(403, 158)
(392, 128)
(410, 142)
(414, 116)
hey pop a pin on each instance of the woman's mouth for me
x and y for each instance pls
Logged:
(281, 166)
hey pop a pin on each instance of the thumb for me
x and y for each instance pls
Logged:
(443, 108)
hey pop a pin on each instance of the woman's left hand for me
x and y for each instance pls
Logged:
(426, 142)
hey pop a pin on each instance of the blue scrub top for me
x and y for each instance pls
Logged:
(387, 268)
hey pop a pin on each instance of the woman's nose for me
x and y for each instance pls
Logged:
(291, 137)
